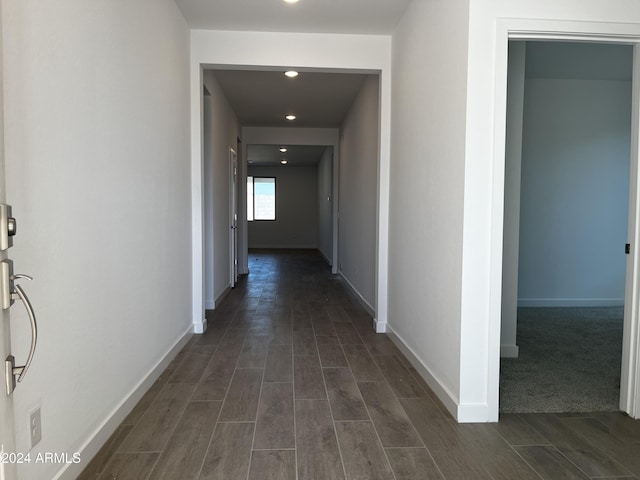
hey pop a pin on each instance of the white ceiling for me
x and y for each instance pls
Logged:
(319, 99)
(262, 99)
(296, 155)
(374, 17)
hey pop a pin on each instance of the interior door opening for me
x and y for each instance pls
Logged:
(290, 198)
(566, 222)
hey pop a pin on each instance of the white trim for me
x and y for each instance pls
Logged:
(509, 351)
(200, 327)
(366, 305)
(472, 412)
(570, 302)
(536, 29)
(100, 435)
(379, 326)
(326, 259)
(233, 211)
(221, 297)
(448, 399)
(197, 197)
(629, 384)
(308, 52)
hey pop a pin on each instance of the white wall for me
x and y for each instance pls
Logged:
(224, 132)
(484, 167)
(296, 223)
(97, 155)
(575, 188)
(329, 52)
(359, 139)
(325, 205)
(427, 179)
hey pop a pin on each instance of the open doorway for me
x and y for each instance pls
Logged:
(337, 127)
(566, 221)
(290, 197)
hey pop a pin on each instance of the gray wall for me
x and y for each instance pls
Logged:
(359, 192)
(575, 175)
(221, 134)
(296, 224)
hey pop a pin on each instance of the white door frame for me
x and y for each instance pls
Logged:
(233, 217)
(527, 29)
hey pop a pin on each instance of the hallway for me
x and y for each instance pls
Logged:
(290, 382)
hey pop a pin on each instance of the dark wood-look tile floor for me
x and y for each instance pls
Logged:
(290, 382)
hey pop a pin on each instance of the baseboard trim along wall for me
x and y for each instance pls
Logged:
(100, 436)
(221, 297)
(509, 351)
(448, 399)
(570, 302)
(326, 258)
(353, 291)
(200, 326)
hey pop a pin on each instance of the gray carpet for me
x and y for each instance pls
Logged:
(569, 361)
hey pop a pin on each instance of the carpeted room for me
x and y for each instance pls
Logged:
(566, 221)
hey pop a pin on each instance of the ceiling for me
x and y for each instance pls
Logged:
(585, 61)
(262, 99)
(373, 17)
(296, 155)
(318, 99)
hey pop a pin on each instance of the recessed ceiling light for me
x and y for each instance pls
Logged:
(290, 117)
(291, 73)
(284, 162)
(283, 149)
(291, 1)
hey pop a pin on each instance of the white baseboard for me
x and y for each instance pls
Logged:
(100, 436)
(509, 351)
(326, 259)
(379, 326)
(570, 302)
(369, 309)
(463, 413)
(209, 304)
(221, 297)
(447, 398)
(200, 326)
(473, 413)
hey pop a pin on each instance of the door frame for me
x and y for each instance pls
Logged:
(553, 30)
(233, 217)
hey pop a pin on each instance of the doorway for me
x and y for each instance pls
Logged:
(566, 223)
(296, 211)
(233, 217)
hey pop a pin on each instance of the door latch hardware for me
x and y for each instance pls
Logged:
(8, 227)
(10, 293)
(627, 248)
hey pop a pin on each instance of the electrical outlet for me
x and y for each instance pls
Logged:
(35, 426)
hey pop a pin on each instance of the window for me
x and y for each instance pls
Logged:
(261, 198)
